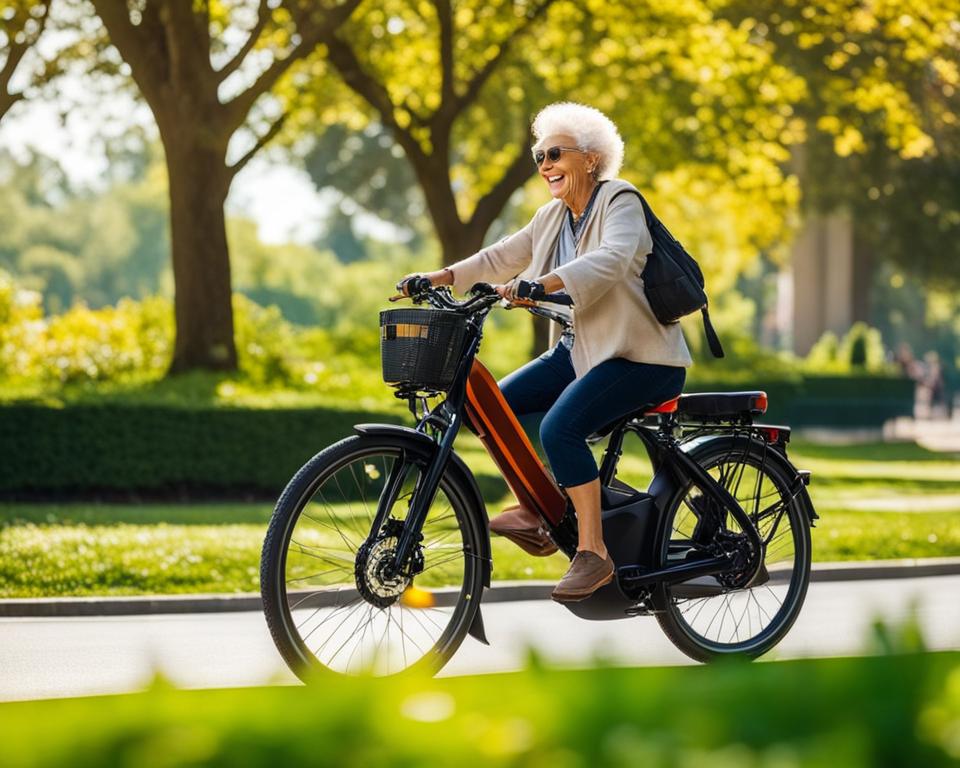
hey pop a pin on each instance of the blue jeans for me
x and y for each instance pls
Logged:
(577, 408)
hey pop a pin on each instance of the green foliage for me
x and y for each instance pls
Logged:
(369, 168)
(825, 353)
(856, 712)
(879, 118)
(21, 24)
(860, 350)
(857, 340)
(77, 245)
(456, 86)
(127, 347)
(126, 343)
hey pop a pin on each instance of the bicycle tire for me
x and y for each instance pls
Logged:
(711, 454)
(296, 497)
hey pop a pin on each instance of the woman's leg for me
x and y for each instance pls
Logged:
(607, 392)
(531, 390)
(536, 386)
(586, 501)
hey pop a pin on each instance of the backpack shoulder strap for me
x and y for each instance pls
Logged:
(713, 341)
(647, 212)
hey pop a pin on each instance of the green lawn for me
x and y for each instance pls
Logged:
(876, 502)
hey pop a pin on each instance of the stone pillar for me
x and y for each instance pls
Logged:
(823, 274)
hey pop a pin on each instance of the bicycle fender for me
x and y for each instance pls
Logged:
(666, 483)
(458, 467)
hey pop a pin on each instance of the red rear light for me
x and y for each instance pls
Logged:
(668, 407)
(761, 403)
(771, 434)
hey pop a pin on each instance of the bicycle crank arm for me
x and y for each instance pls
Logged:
(632, 576)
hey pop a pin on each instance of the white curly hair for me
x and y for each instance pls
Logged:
(591, 129)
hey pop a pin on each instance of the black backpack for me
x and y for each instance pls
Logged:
(672, 280)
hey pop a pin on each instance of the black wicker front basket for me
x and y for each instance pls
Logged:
(421, 348)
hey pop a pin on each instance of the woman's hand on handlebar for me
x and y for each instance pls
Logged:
(414, 282)
(534, 290)
(509, 289)
(530, 290)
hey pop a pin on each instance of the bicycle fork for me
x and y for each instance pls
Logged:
(423, 495)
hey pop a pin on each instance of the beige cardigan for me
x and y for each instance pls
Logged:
(612, 317)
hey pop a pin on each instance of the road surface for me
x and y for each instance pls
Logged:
(47, 658)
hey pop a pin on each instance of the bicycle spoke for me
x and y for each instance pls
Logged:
(354, 606)
(365, 629)
(736, 617)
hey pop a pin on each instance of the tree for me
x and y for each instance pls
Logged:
(881, 119)
(77, 244)
(171, 47)
(21, 24)
(368, 167)
(456, 84)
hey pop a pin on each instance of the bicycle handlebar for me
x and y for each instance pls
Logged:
(528, 289)
(420, 288)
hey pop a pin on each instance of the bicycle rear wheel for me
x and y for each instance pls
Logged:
(328, 595)
(711, 617)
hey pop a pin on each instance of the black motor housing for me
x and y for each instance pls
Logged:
(629, 525)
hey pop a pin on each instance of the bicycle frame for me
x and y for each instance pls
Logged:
(475, 398)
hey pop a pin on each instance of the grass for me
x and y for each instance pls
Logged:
(854, 712)
(877, 501)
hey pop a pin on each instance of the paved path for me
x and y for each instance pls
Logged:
(41, 658)
(933, 434)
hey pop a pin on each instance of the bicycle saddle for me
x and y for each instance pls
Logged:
(646, 410)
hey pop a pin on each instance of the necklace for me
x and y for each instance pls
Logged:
(577, 222)
(593, 192)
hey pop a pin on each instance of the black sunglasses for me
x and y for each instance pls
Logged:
(553, 154)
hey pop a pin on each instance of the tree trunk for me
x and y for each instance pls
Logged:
(199, 180)
(457, 242)
(541, 335)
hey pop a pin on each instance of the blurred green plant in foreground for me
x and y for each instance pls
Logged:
(855, 713)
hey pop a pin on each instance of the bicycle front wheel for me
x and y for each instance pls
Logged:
(330, 598)
(718, 616)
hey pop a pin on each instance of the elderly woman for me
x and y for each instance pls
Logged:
(592, 242)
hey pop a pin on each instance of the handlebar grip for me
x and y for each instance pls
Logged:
(530, 289)
(558, 298)
(414, 285)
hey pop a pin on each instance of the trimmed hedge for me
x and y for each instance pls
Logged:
(85, 448)
(826, 400)
(854, 713)
(125, 447)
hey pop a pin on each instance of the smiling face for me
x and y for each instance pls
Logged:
(569, 177)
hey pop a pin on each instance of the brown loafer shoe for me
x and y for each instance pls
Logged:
(588, 572)
(525, 529)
